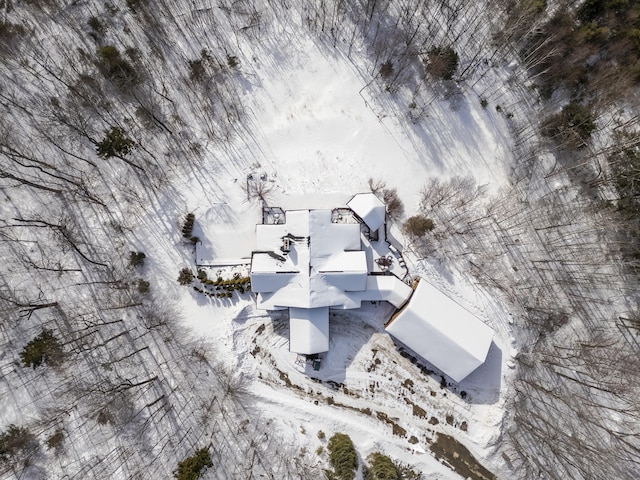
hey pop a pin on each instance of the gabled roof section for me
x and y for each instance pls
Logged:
(309, 330)
(388, 288)
(442, 332)
(369, 208)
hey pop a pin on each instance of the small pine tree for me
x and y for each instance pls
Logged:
(45, 348)
(96, 25)
(116, 68)
(115, 144)
(136, 259)
(573, 126)
(386, 69)
(342, 456)
(442, 62)
(16, 441)
(197, 70)
(143, 286)
(108, 53)
(191, 468)
(381, 467)
(233, 61)
(187, 228)
(134, 5)
(9, 31)
(54, 442)
(406, 472)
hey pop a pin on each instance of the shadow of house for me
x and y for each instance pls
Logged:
(482, 386)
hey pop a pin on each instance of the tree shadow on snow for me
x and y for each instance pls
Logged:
(203, 299)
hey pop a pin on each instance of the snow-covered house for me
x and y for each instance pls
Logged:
(308, 264)
(442, 332)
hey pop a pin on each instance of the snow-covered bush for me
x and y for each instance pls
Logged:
(418, 225)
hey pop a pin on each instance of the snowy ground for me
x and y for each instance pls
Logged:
(319, 133)
(317, 140)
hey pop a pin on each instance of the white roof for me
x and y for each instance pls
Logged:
(442, 332)
(270, 263)
(388, 288)
(342, 262)
(308, 262)
(369, 208)
(267, 282)
(328, 238)
(309, 330)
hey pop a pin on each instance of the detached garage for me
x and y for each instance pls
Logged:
(442, 332)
